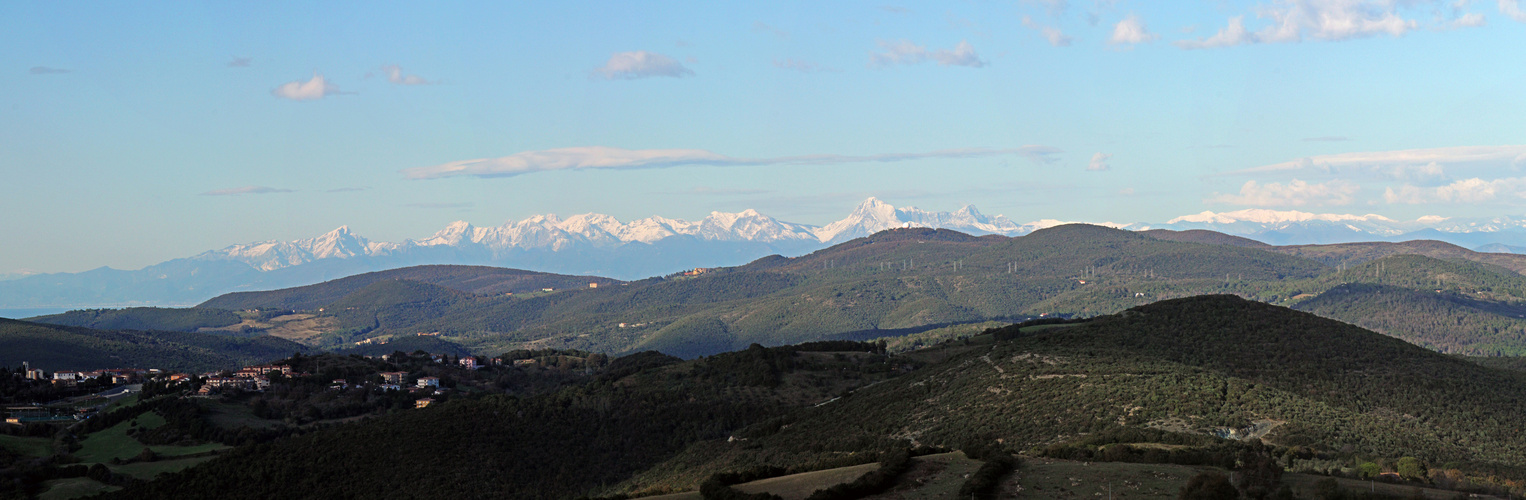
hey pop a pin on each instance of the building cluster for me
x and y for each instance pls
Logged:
(248, 378)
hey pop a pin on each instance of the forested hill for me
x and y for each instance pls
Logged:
(1163, 379)
(635, 412)
(1212, 365)
(55, 348)
(480, 280)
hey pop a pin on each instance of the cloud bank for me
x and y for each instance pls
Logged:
(602, 157)
(1514, 156)
(1295, 193)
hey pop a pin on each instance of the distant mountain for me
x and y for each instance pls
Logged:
(587, 244)
(600, 245)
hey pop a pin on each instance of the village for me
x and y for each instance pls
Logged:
(426, 378)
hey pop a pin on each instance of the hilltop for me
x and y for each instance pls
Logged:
(52, 348)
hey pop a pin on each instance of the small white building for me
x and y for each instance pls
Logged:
(429, 382)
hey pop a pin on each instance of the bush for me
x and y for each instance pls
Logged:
(1209, 486)
(984, 482)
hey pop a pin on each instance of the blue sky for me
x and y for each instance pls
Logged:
(134, 134)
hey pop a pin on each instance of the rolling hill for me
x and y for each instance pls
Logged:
(1198, 380)
(53, 348)
(480, 280)
(1202, 366)
(898, 282)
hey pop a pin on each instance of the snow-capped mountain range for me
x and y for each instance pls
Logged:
(598, 231)
(597, 244)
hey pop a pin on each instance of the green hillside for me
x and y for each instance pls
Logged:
(54, 348)
(479, 280)
(1196, 381)
(143, 318)
(1205, 366)
(639, 411)
(898, 282)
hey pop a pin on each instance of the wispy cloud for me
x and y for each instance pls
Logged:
(44, 70)
(1131, 31)
(641, 64)
(240, 62)
(894, 9)
(761, 27)
(905, 52)
(1054, 7)
(1513, 9)
(602, 157)
(1050, 33)
(802, 66)
(315, 88)
(1295, 193)
(1099, 163)
(395, 75)
(245, 190)
(1514, 156)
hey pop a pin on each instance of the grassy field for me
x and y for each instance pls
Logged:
(233, 416)
(1043, 478)
(102, 446)
(150, 470)
(932, 477)
(799, 486)
(29, 446)
(74, 487)
(1303, 485)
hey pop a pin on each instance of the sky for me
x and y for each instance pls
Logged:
(133, 134)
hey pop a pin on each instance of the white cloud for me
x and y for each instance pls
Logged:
(1512, 8)
(395, 75)
(641, 64)
(602, 157)
(1099, 163)
(1293, 194)
(1131, 31)
(316, 88)
(245, 190)
(1473, 190)
(240, 62)
(1050, 33)
(1378, 160)
(905, 52)
(1231, 35)
(1329, 20)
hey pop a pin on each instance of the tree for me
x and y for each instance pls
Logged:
(1209, 486)
(1411, 468)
